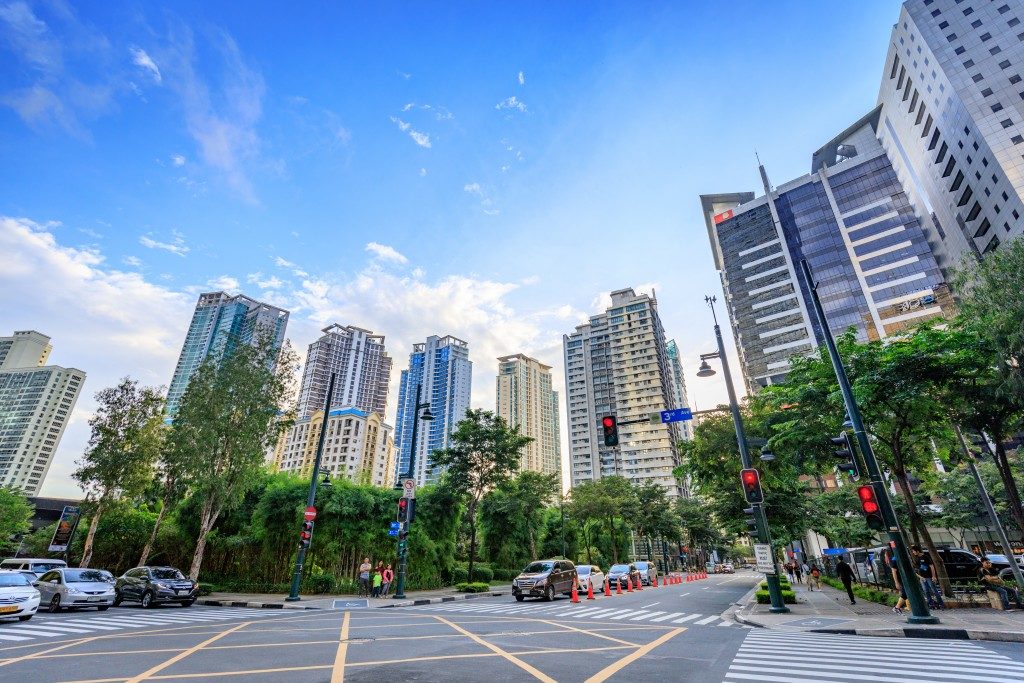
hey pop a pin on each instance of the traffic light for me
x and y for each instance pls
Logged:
(845, 452)
(306, 534)
(751, 481)
(751, 521)
(869, 504)
(611, 430)
(403, 510)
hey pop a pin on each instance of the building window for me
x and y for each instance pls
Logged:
(976, 23)
(982, 229)
(960, 50)
(986, 92)
(942, 152)
(927, 128)
(944, 25)
(957, 182)
(975, 210)
(1006, 123)
(965, 197)
(969, 63)
(949, 167)
(1014, 79)
(996, 50)
(1004, 9)
(997, 107)
(1013, 22)
(977, 78)
(969, 11)
(951, 37)
(986, 37)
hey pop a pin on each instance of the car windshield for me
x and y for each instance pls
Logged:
(583, 570)
(996, 558)
(40, 567)
(619, 568)
(641, 566)
(167, 574)
(9, 580)
(537, 567)
(87, 576)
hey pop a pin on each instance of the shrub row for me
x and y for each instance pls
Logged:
(764, 598)
(865, 592)
(475, 587)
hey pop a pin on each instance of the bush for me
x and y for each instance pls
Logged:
(783, 583)
(205, 588)
(764, 598)
(475, 587)
(318, 583)
(505, 574)
(483, 574)
(459, 575)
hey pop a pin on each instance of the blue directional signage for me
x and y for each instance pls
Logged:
(677, 415)
(392, 532)
(395, 526)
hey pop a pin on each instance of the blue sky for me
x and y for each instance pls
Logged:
(412, 168)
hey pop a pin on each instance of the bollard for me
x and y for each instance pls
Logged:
(575, 594)
(590, 590)
(607, 589)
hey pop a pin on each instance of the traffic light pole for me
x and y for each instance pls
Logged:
(763, 534)
(300, 558)
(403, 548)
(908, 577)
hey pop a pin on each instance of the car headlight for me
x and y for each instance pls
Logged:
(540, 582)
(161, 585)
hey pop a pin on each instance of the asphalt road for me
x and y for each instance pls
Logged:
(653, 634)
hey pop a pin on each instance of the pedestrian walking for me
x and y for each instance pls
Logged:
(364, 577)
(929, 578)
(845, 573)
(814, 578)
(902, 601)
(789, 571)
(989, 576)
(798, 572)
(388, 577)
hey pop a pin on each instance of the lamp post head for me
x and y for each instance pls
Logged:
(427, 415)
(326, 483)
(705, 369)
(766, 454)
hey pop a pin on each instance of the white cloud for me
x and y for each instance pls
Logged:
(423, 172)
(511, 103)
(521, 78)
(284, 263)
(225, 282)
(258, 279)
(141, 58)
(404, 75)
(421, 139)
(473, 188)
(133, 261)
(386, 253)
(177, 160)
(177, 246)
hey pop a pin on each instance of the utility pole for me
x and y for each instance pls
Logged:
(908, 577)
(403, 549)
(300, 558)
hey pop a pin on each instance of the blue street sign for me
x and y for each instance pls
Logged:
(833, 551)
(392, 532)
(677, 415)
(395, 526)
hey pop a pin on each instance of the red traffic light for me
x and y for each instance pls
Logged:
(867, 499)
(608, 422)
(751, 482)
(403, 503)
(610, 427)
(749, 477)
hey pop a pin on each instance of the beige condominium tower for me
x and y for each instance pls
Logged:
(525, 399)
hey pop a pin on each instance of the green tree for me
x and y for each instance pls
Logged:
(699, 529)
(127, 433)
(226, 422)
(835, 514)
(652, 517)
(511, 516)
(484, 452)
(15, 517)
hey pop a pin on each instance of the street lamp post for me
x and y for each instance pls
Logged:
(763, 534)
(300, 558)
(918, 606)
(403, 551)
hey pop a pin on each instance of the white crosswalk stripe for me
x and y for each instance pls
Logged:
(569, 611)
(792, 657)
(46, 627)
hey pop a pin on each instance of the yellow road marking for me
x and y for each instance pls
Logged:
(539, 675)
(607, 672)
(338, 672)
(589, 633)
(80, 641)
(181, 655)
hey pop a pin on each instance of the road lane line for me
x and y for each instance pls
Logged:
(645, 617)
(688, 617)
(706, 620)
(338, 671)
(651, 605)
(613, 668)
(539, 675)
(630, 613)
(181, 655)
(684, 595)
(7, 637)
(670, 615)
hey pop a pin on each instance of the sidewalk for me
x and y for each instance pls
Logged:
(277, 601)
(830, 611)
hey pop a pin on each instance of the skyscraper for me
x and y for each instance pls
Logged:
(36, 401)
(953, 120)
(525, 399)
(220, 321)
(861, 237)
(362, 371)
(678, 384)
(441, 367)
(617, 364)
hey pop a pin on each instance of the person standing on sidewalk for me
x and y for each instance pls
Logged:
(789, 570)
(902, 601)
(845, 573)
(378, 581)
(929, 578)
(364, 577)
(389, 576)
(813, 578)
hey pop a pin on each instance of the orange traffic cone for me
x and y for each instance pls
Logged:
(590, 590)
(607, 589)
(618, 587)
(575, 594)
(655, 584)
(629, 584)
(639, 584)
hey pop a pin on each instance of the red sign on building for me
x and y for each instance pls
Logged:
(724, 216)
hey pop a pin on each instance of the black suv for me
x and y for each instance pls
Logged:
(544, 578)
(153, 585)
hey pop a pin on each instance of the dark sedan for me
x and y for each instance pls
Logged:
(151, 586)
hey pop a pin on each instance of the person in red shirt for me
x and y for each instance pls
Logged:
(389, 577)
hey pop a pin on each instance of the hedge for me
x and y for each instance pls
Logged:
(864, 592)
(475, 587)
(764, 598)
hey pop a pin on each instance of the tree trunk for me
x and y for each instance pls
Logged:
(206, 522)
(91, 535)
(615, 546)
(472, 538)
(152, 536)
(1010, 484)
(533, 543)
(915, 519)
(586, 540)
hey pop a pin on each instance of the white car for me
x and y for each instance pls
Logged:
(590, 575)
(72, 587)
(17, 596)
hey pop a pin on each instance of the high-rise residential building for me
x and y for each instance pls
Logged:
(442, 369)
(853, 223)
(357, 446)
(525, 399)
(362, 371)
(678, 384)
(952, 122)
(219, 322)
(616, 364)
(36, 401)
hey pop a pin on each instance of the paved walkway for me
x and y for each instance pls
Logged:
(830, 611)
(276, 600)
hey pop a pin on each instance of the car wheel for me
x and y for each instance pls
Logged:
(549, 594)
(25, 617)
(147, 599)
(103, 608)
(55, 603)
(520, 598)
(188, 603)
(117, 599)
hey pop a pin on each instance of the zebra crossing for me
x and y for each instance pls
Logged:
(86, 624)
(565, 610)
(800, 656)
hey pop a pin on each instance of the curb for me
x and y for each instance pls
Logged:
(210, 602)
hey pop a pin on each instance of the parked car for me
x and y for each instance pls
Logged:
(961, 565)
(590, 575)
(727, 568)
(153, 585)
(17, 596)
(1000, 561)
(620, 572)
(544, 578)
(68, 588)
(648, 572)
(36, 565)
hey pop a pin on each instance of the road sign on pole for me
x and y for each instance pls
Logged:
(396, 526)
(309, 514)
(763, 556)
(393, 532)
(409, 488)
(677, 415)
